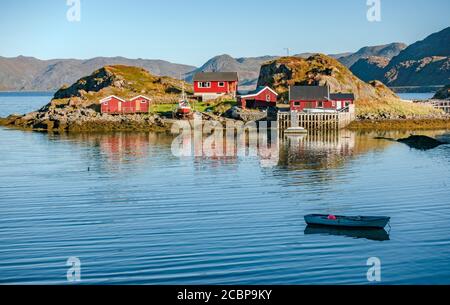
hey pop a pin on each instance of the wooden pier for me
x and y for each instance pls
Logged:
(316, 121)
(443, 105)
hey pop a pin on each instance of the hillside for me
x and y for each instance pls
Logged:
(443, 94)
(28, 73)
(371, 68)
(387, 51)
(374, 100)
(424, 63)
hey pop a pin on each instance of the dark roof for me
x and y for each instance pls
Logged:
(216, 76)
(309, 93)
(342, 96)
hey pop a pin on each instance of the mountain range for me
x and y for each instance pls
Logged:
(424, 63)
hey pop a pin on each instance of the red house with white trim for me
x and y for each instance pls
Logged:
(262, 97)
(112, 104)
(138, 104)
(318, 98)
(211, 85)
(116, 105)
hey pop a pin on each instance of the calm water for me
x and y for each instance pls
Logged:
(143, 216)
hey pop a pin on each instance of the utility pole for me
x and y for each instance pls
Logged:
(288, 51)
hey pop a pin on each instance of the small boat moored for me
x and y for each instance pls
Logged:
(368, 222)
(295, 131)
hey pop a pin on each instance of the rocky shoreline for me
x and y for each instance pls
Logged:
(84, 120)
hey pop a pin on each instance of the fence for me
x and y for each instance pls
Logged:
(316, 121)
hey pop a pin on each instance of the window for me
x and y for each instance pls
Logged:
(296, 103)
(347, 104)
(143, 101)
(106, 104)
(204, 85)
(221, 84)
(268, 97)
(320, 104)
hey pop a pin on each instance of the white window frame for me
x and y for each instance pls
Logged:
(221, 84)
(267, 97)
(204, 84)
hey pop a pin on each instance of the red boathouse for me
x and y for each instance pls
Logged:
(112, 105)
(138, 104)
(262, 97)
(306, 98)
(115, 105)
(211, 85)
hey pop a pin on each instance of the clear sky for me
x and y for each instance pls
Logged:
(192, 31)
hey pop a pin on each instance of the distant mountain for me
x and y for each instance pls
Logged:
(371, 68)
(424, 63)
(28, 73)
(388, 51)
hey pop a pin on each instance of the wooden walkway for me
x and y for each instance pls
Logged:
(316, 121)
(443, 105)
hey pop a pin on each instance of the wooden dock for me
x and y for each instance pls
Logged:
(316, 121)
(443, 105)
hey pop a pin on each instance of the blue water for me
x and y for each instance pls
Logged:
(416, 96)
(142, 216)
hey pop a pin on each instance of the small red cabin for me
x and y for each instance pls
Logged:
(262, 97)
(112, 105)
(303, 98)
(211, 85)
(138, 104)
(116, 105)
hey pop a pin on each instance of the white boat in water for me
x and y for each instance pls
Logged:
(296, 131)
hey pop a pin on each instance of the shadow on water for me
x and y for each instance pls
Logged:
(375, 235)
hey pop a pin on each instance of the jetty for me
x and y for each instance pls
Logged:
(316, 121)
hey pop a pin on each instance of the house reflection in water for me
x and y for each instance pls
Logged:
(319, 150)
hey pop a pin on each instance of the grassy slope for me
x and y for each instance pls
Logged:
(374, 100)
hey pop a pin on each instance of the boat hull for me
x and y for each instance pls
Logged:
(348, 222)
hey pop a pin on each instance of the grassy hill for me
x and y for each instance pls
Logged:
(373, 100)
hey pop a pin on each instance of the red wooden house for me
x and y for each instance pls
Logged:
(262, 97)
(211, 85)
(112, 105)
(115, 105)
(318, 98)
(138, 104)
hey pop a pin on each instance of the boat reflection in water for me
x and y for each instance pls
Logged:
(370, 234)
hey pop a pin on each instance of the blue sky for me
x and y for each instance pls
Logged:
(192, 31)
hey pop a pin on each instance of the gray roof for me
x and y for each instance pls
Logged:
(215, 76)
(320, 93)
(342, 96)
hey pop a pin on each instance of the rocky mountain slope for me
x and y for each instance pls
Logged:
(424, 63)
(374, 100)
(387, 51)
(76, 107)
(28, 73)
(443, 94)
(371, 68)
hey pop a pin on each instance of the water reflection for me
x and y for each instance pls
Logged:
(375, 235)
(314, 151)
